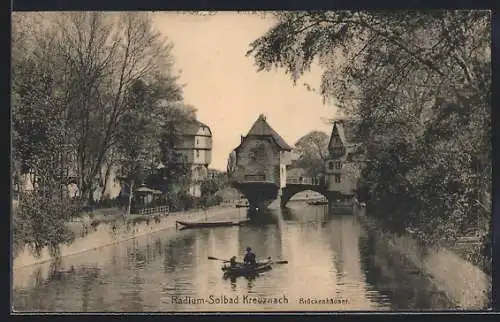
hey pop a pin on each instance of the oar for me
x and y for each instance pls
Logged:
(225, 260)
(218, 259)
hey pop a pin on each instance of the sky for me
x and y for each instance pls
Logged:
(225, 87)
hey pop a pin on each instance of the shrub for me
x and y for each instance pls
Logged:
(139, 219)
(40, 222)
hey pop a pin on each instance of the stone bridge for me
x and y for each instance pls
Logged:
(258, 167)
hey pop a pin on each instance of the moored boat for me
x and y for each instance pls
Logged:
(318, 202)
(186, 225)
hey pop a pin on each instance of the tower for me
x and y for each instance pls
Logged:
(336, 158)
(339, 179)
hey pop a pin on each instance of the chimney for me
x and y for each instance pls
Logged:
(242, 137)
(262, 116)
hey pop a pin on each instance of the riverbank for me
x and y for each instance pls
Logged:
(464, 283)
(116, 231)
(28, 277)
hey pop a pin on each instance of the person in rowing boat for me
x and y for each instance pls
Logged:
(232, 262)
(250, 258)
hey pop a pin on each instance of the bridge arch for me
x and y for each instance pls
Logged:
(259, 194)
(292, 189)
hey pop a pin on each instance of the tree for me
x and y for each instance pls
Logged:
(142, 134)
(99, 57)
(39, 141)
(313, 151)
(419, 83)
(176, 171)
(137, 143)
(39, 131)
(351, 44)
(83, 85)
(210, 187)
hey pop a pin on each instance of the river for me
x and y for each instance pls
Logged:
(333, 265)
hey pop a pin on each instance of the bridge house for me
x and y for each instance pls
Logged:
(257, 166)
(262, 156)
(344, 152)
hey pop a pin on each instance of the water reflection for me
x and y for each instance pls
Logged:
(52, 293)
(329, 257)
(401, 283)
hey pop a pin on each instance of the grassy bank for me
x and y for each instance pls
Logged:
(474, 247)
(112, 231)
(41, 222)
(464, 283)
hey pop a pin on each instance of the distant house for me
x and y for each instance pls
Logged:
(216, 174)
(25, 183)
(294, 155)
(298, 176)
(196, 148)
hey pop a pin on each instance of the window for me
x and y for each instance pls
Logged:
(197, 153)
(337, 178)
(338, 165)
(197, 141)
(331, 165)
(254, 154)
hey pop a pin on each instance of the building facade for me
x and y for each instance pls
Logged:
(196, 149)
(342, 166)
(262, 156)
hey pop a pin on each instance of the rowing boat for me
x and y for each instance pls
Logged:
(245, 270)
(186, 225)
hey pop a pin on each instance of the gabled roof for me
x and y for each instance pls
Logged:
(192, 128)
(148, 190)
(346, 131)
(262, 128)
(337, 131)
